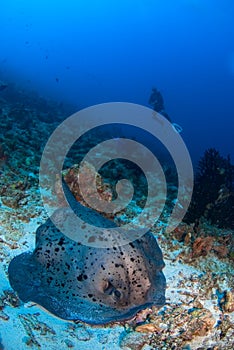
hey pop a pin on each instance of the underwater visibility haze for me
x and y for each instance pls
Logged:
(89, 52)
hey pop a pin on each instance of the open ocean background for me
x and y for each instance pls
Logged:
(90, 52)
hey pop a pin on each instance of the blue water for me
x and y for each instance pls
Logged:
(94, 51)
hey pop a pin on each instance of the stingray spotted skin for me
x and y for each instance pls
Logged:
(94, 285)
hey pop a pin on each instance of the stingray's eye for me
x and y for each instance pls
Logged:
(116, 294)
(108, 288)
(105, 286)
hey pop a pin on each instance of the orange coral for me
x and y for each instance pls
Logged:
(88, 179)
(202, 246)
(221, 250)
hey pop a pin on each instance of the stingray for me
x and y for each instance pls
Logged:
(94, 285)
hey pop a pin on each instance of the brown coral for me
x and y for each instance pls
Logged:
(89, 180)
(148, 328)
(221, 250)
(77, 178)
(227, 303)
(202, 246)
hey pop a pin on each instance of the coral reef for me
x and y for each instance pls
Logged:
(213, 195)
(76, 177)
(200, 276)
(202, 240)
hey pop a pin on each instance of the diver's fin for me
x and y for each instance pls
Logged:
(177, 127)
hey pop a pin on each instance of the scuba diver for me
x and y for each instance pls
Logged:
(157, 102)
